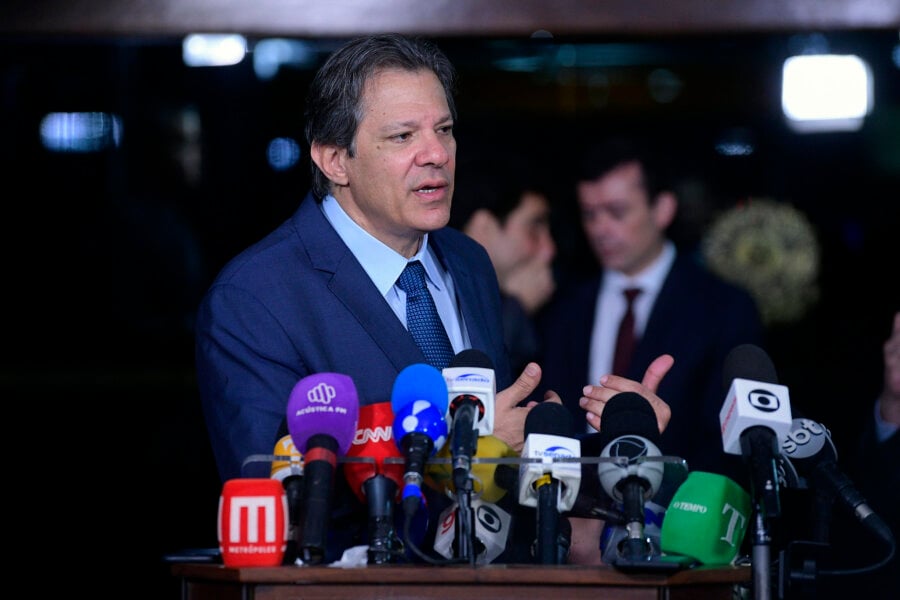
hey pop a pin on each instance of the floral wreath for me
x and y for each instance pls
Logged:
(770, 249)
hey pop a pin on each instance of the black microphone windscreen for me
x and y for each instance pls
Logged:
(507, 477)
(748, 361)
(550, 418)
(472, 358)
(628, 413)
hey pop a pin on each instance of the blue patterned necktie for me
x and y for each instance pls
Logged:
(422, 318)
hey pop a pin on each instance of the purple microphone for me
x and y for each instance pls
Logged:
(322, 413)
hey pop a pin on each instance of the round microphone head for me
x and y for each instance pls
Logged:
(748, 361)
(420, 381)
(323, 403)
(807, 446)
(420, 417)
(471, 357)
(550, 418)
(628, 413)
(373, 444)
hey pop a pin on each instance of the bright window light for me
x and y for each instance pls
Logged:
(826, 92)
(80, 132)
(213, 50)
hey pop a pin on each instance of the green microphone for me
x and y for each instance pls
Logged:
(706, 519)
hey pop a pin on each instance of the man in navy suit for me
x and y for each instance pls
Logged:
(320, 294)
(626, 207)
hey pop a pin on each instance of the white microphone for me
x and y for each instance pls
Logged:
(550, 485)
(471, 388)
(492, 526)
(471, 374)
(547, 447)
(755, 419)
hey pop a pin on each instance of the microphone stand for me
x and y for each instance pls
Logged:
(759, 446)
(548, 551)
(465, 522)
(464, 444)
(760, 560)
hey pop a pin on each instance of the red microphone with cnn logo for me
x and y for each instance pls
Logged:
(252, 523)
(375, 481)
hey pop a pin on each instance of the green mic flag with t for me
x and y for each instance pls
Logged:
(706, 519)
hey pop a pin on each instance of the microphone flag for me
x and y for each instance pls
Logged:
(706, 519)
(492, 527)
(252, 522)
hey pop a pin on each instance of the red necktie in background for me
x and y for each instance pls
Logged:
(626, 340)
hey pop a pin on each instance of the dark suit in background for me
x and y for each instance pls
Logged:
(698, 319)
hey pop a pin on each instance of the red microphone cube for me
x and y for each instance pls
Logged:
(252, 522)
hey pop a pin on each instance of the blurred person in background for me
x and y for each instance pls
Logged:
(626, 204)
(502, 204)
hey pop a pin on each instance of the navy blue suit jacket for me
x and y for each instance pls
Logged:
(297, 303)
(698, 319)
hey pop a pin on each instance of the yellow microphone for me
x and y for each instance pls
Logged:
(439, 474)
(283, 468)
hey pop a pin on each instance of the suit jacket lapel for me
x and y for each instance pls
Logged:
(352, 287)
(470, 307)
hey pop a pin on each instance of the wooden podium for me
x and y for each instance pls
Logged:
(496, 582)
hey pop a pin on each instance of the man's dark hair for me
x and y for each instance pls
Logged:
(496, 184)
(334, 99)
(603, 156)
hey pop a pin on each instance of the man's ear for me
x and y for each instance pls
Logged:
(664, 209)
(481, 226)
(330, 160)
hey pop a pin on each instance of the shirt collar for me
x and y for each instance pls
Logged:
(650, 279)
(380, 262)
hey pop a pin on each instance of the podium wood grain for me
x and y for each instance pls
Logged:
(497, 582)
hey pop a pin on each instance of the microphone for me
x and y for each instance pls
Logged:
(755, 420)
(492, 527)
(322, 413)
(551, 486)
(471, 388)
(290, 474)
(419, 401)
(252, 522)
(629, 425)
(485, 483)
(375, 482)
(812, 459)
(470, 377)
(706, 520)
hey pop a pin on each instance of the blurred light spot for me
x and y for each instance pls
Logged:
(283, 153)
(736, 141)
(80, 131)
(664, 85)
(213, 50)
(826, 92)
(270, 55)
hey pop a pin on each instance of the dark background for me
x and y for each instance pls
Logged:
(107, 255)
